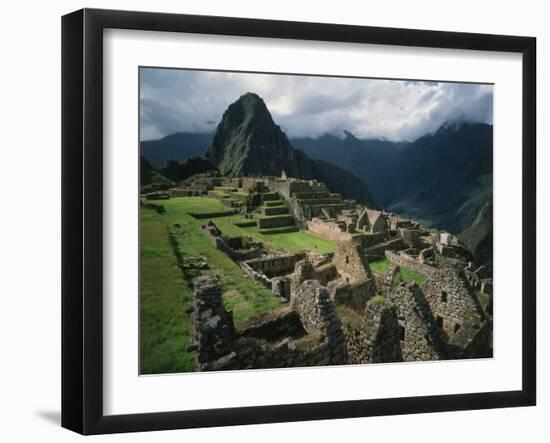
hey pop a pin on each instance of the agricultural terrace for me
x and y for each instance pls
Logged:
(166, 292)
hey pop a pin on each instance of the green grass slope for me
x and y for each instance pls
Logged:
(166, 292)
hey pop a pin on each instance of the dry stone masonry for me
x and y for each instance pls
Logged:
(309, 334)
(337, 310)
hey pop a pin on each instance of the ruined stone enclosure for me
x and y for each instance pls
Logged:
(389, 290)
(307, 334)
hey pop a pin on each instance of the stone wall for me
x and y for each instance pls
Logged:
(329, 229)
(412, 237)
(275, 221)
(368, 240)
(275, 210)
(379, 249)
(351, 262)
(326, 273)
(421, 337)
(203, 216)
(275, 328)
(213, 327)
(407, 262)
(235, 254)
(276, 265)
(452, 299)
(355, 295)
(260, 277)
(233, 182)
(289, 187)
(236, 248)
(308, 335)
(472, 342)
(303, 270)
(377, 338)
(280, 286)
(317, 312)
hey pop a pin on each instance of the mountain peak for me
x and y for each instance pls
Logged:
(247, 142)
(248, 110)
(348, 135)
(250, 97)
(251, 103)
(246, 131)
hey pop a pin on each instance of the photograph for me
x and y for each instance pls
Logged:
(289, 221)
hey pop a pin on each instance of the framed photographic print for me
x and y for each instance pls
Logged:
(269, 221)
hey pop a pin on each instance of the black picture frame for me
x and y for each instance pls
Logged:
(82, 218)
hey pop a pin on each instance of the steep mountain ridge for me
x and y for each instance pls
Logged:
(444, 172)
(479, 236)
(247, 142)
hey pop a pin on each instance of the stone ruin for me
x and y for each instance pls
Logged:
(441, 319)
(377, 336)
(237, 248)
(338, 311)
(308, 333)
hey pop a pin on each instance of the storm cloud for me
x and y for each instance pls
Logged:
(174, 100)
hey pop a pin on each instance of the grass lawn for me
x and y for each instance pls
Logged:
(380, 266)
(165, 328)
(196, 205)
(166, 292)
(408, 275)
(287, 242)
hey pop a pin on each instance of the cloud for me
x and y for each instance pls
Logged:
(173, 100)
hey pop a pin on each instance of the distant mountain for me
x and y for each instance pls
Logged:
(441, 179)
(376, 162)
(479, 236)
(247, 142)
(179, 146)
(150, 178)
(445, 177)
(177, 171)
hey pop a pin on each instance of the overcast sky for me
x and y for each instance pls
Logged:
(194, 101)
